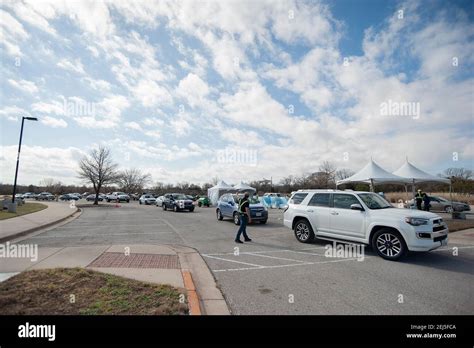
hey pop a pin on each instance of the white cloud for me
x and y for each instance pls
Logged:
(12, 113)
(133, 125)
(62, 163)
(74, 66)
(12, 33)
(53, 122)
(24, 85)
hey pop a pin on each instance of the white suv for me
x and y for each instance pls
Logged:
(363, 217)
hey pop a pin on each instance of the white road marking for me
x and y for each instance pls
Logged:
(274, 257)
(281, 266)
(244, 263)
(266, 251)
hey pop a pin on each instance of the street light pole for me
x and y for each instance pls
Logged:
(18, 155)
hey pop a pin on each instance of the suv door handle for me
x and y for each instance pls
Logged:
(310, 211)
(334, 213)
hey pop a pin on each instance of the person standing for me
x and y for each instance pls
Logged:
(419, 199)
(426, 202)
(245, 217)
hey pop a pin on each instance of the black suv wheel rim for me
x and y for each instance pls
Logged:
(302, 231)
(389, 245)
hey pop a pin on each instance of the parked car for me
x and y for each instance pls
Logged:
(147, 199)
(442, 204)
(203, 202)
(177, 202)
(91, 197)
(159, 201)
(363, 217)
(120, 196)
(19, 197)
(68, 197)
(78, 195)
(45, 196)
(228, 207)
(29, 195)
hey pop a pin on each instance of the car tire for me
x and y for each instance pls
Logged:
(303, 231)
(175, 208)
(199, 204)
(448, 209)
(236, 219)
(263, 222)
(389, 244)
(128, 201)
(191, 210)
(140, 202)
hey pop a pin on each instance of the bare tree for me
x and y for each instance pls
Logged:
(98, 169)
(459, 173)
(326, 174)
(344, 173)
(133, 180)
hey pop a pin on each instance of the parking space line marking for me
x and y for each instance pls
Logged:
(244, 263)
(267, 251)
(288, 265)
(274, 257)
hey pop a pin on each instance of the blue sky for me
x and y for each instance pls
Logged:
(281, 86)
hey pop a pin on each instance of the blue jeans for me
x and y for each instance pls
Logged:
(242, 228)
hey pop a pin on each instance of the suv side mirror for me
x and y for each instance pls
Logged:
(356, 206)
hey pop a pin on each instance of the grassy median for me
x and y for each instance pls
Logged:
(86, 292)
(24, 209)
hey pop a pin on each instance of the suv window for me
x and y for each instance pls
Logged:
(320, 200)
(298, 198)
(343, 201)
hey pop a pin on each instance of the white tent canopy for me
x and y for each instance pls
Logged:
(244, 188)
(216, 191)
(372, 173)
(409, 171)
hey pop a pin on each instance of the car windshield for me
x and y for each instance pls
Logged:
(179, 197)
(374, 201)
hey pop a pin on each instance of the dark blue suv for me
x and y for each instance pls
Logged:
(228, 206)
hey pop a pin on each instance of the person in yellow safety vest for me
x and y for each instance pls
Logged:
(245, 217)
(419, 199)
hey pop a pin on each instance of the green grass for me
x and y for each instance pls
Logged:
(43, 292)
(24, 209)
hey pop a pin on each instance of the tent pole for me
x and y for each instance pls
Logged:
(451, 198)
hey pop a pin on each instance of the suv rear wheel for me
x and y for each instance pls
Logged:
(303, 231)
(389, 244)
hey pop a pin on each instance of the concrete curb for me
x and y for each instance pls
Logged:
(41, 227)
(209, 296)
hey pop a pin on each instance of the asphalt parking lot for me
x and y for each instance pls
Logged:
(275, 274)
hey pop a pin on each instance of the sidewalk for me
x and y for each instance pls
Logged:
(21, 225)
(177, 266)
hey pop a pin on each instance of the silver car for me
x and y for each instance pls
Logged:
(159, 201)
(147, 199)
(442, 204)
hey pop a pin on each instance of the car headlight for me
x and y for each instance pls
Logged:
(416, 221)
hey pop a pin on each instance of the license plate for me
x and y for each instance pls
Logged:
(258, 214)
